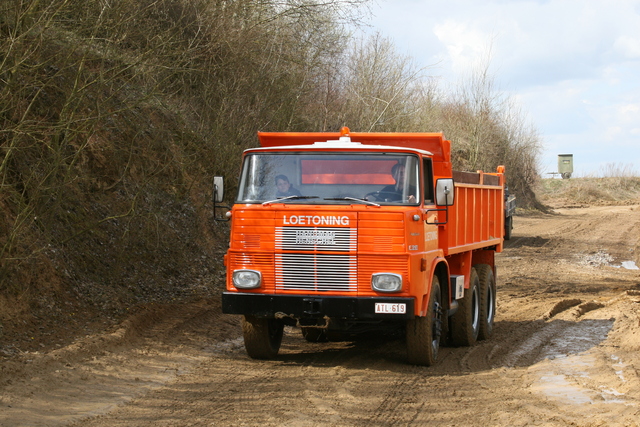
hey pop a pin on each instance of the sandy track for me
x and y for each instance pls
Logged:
(566, 351)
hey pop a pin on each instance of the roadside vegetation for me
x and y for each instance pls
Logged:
(115, 116)
(614, 184)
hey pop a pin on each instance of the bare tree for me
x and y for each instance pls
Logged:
(373, 88)
(111, 111)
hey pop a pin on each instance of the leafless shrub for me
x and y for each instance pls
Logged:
(381, 90)
(619, 170)
(590, 190)
(385, 91)
(114, 116)
(489, 129)
(621, 176)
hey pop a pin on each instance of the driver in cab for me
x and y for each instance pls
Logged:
(394, 192)
(284, 188)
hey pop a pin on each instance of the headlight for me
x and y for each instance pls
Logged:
(386, 282)
(247, 279)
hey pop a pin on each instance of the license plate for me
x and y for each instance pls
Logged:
(389, 308)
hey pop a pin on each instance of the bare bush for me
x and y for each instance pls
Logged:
(375, 89)
(618, 170)
(590, 190)
(114, 116)
(488, 129)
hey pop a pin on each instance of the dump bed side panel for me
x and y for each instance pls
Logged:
(477, 218)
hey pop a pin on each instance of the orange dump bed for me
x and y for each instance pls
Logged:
(476, 220)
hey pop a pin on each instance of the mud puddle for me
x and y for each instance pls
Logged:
(569, 369)
(604, 259)
(629, 265)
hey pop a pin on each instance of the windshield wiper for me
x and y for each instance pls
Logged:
(352, 199)
(283, 199)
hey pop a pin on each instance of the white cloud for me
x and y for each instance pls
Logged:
(628, 46)
(574, 64)
(464, 44)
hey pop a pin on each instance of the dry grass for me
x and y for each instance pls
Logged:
(590, 191)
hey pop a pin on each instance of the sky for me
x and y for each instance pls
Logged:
(572, 66)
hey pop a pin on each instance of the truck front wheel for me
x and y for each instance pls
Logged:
(262, 336)
(465, 324)
(424, 333)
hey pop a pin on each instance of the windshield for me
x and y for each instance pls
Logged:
(329, 178)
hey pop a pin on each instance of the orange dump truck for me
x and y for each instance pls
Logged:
(342, 233)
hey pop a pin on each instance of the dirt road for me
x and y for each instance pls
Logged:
(566, 351)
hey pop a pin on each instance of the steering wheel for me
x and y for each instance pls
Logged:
(383, 196)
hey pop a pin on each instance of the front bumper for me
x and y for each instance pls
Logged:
(313, 306)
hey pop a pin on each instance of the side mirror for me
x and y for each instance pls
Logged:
(218, 194)
(218, 189)
(445, 193)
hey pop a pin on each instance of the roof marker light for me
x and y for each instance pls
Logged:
(344, 134)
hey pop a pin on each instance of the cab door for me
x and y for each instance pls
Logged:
(431, 246)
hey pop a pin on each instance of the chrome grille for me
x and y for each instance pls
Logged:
(316, 272)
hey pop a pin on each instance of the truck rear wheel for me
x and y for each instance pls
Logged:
(487, 300)
(262, 336)
(466, 322)
(508, 227)
(424, 333)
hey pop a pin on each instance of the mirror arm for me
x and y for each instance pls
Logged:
(221, 217)
(446, 217)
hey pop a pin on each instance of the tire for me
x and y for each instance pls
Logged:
(465, 324)
(487, 300)
(262, 336)
(314, 334)
(424, 333)
(508, 226)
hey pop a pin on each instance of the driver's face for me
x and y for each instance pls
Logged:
(283, 186)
